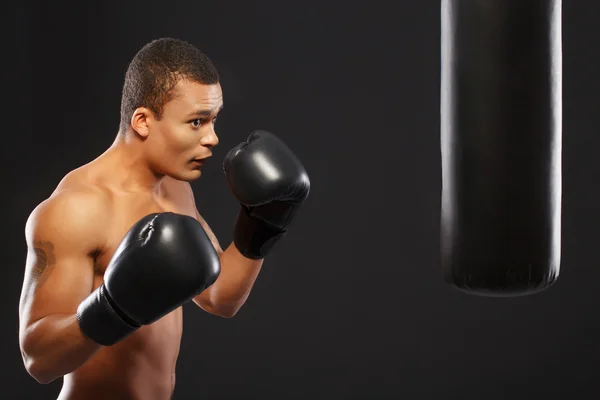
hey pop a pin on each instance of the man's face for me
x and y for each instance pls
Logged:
(180, 143)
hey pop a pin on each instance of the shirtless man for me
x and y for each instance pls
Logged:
(119, 246)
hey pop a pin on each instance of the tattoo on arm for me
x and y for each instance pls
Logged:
(44, 263)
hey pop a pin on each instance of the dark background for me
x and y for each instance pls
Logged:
(352, 303)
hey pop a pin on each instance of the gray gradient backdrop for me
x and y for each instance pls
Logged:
(351, 305)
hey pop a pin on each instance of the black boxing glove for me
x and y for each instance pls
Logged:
(271, 184)
(163, 261)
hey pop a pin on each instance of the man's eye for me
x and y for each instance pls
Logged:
(196, 123)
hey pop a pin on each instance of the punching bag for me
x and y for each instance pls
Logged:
(501, 138)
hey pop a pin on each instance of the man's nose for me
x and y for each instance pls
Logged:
(210, 139)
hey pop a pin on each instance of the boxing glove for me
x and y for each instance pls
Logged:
(271, 184)
(163, 261)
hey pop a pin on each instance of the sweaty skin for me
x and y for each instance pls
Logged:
(72, 236)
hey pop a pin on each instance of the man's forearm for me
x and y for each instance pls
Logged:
(55, 346)
(230, 291)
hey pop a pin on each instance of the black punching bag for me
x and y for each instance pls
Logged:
(501, 144)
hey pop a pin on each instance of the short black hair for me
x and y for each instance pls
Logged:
(154, 72)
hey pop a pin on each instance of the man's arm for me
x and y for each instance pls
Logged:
(230, 291)
(61, 238)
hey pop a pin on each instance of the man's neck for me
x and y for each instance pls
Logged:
(135, 175)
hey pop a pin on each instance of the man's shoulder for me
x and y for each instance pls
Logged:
(70, 207)
(76, 179)
(76, 189)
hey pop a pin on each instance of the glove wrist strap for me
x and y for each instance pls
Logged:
(99, 320)
(254, 238)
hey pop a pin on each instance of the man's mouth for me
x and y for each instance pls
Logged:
(199, 161)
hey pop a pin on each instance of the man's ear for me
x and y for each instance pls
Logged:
(140, 120)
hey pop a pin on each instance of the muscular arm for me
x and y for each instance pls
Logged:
(61, 235)
(238, 274)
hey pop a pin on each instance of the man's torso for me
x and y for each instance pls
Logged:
(142, 365)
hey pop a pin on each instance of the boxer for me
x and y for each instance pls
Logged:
(117, 249)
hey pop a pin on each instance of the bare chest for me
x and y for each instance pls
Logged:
(126, 211)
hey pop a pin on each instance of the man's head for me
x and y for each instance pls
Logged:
(171, 97)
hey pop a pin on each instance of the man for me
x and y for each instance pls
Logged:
(119, 246)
